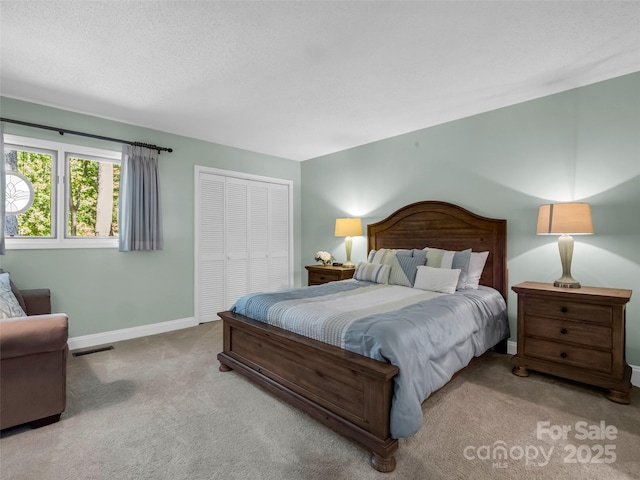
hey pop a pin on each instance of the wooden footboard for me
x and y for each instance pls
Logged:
(347, 392)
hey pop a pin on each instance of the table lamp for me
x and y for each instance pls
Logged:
(348, 227)
(565, 219)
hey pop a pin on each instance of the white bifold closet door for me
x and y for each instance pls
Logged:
(243, 240)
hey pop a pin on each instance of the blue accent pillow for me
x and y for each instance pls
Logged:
(438, 258)
(409, 268)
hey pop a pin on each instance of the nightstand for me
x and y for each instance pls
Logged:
(575, 333)
(319, 274)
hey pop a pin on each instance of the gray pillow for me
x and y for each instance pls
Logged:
(9, 306)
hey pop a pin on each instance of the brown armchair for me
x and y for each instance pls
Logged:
(33, 362)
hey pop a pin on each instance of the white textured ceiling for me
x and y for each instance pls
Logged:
(303, 79)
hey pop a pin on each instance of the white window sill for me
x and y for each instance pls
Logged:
(53, 243)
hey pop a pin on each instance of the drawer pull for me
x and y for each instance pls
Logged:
(321, 278)
(564, 309)
(563, 354)
(563, 331)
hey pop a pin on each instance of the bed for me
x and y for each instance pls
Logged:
(349, 392)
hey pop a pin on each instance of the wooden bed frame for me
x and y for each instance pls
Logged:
(347, 392)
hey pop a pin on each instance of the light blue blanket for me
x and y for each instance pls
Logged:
(428, 336)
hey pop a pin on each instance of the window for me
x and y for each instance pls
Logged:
(74, 190)
(92, 206)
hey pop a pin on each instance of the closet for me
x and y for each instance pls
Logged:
(243, 238)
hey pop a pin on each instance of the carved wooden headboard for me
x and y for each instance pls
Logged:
(450, 227)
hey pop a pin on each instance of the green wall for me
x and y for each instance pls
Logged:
(582, 144)
(102, 289)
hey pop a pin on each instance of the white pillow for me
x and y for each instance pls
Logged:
(442, 280)
(476, 266)
(9, 306)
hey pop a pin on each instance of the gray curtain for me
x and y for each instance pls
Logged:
(3, 181)
(140, 219)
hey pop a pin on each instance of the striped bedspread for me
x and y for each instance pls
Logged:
(327, 317)
(427, 335)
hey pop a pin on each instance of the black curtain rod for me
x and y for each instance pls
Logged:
(62, 131)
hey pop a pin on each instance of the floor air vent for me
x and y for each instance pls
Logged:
(95, 350)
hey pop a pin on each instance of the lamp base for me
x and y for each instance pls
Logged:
(347, 245)
(565, 246)
(564, 284)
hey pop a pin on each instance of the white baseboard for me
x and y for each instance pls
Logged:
(95, 339)
(512, 349)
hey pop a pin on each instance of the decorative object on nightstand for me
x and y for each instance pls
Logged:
(574, 333)
(348, 227)
(565, 219)
(324, 257)
(319, 274)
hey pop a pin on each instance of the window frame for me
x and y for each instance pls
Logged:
(59, 188)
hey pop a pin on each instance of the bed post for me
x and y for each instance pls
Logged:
(383, 464)
(501, 346)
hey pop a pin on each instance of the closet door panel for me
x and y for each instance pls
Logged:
(210, 237)
(259, 237)
(279, 237)
(237, 241)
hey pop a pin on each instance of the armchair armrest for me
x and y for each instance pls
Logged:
(37, 301)
(34, 334)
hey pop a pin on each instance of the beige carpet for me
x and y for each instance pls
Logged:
(158, 408)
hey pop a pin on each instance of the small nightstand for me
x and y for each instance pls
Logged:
(319, 274)
(575, 333)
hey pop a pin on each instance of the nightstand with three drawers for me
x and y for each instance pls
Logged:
(575, 333)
